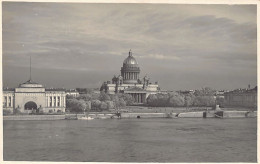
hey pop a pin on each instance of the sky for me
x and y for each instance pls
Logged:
(180, 46)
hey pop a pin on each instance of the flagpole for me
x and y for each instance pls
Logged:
(30, 69)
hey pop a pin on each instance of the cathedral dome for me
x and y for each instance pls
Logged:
(130, 70)
(130, 60)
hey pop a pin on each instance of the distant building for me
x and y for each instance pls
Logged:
(185, 92)
(220, 93)
(32, 97)
(129, 82)
(72, 92)
(241, 98)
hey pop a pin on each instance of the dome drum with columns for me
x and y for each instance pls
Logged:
(130, 70)
(129, 82)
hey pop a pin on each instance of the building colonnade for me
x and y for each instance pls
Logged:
(131, 75)
(55, 101)
(138, 97)
(8, 101)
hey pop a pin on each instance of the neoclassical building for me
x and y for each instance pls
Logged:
(241, 98)
(31, 97)
(130, 82)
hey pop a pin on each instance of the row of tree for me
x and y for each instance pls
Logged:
(98, 102)
(203, 97)
(102, 101)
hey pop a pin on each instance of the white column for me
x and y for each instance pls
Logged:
(56, 100)
(64, 101)
(46, 101)
(52, 101)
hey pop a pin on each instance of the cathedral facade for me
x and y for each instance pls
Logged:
(129, 82)
(31, 97)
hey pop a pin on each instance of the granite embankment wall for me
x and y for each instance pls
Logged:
(145, 115)
(239, 114)
(35, 117)
(211, 114)
(225, 114)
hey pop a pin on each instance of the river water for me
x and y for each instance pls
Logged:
(132, 140)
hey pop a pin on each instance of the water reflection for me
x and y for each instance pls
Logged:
(132, 140)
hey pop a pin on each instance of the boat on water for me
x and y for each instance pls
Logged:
(85, 118)
(102, 117)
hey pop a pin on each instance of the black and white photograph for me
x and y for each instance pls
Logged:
(129, 81)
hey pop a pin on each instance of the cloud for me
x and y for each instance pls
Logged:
(160, 56)
(206, 40)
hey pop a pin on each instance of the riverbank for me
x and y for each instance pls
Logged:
(34, 117)
(204, 114)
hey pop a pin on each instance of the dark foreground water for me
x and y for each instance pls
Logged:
(132, 140)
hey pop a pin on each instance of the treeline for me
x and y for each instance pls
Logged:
(203, 97)
(91, 101)
(97, 102)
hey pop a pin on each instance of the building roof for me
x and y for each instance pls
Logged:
(71, 90)
(8, 89)
(29, 82)
(55, 89)
(130, 60)
(238, 91)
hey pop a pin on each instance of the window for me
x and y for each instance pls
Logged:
(50, 101)
(58, 101)
(10, 101)
(54, 101)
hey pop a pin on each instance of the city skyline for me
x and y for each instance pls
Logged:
(180, 46)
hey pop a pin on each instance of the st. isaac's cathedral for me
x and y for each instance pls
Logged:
(130, 82)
